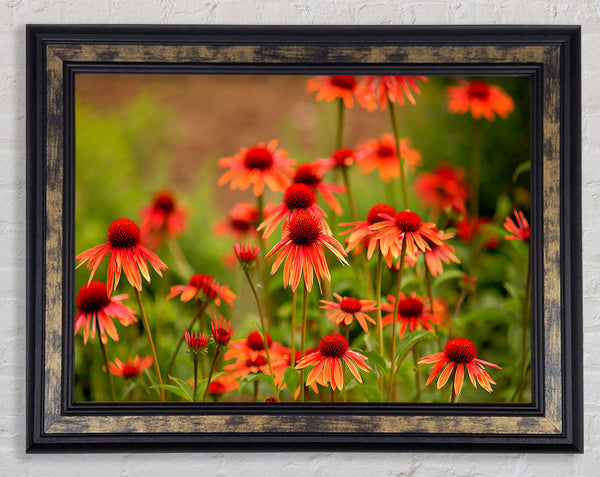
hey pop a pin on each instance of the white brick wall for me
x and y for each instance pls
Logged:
(14, 14)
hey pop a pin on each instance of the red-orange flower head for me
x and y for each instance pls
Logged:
(459, 354)
(302, 249)
(311, 174)
(259, 165)
(444, 189)
(241, 221)
(210, 288)
(381, 154)
(348, 309)
(197, 342)
(412, 312)
(327, 360)
(343, 87)
(520, 230)
(221, 331)
(362, 230)
(392, 88)
(126, 253)
(481, 98)
(246, 254)
(438, 252)
(130, 369)
(339, 159)
(162, 219)
(97, 308)
(255, 341)
(271, 399)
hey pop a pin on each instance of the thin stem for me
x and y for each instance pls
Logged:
(459, 303)
(255, 391)
(346, 178)
(415, 354)
(378, 297)
(475, 168)
(263, 265)
(111, 384)
(339, 137)
(395, 321)
(430, 296)
(399, 152)
(333, 394)
(525, 326)
(195, 375)
(185, 269)
(151, 341)
(293, 340)
(182, 337)
(263, 329)
(210, 373)
(303, 340)
(453, 396)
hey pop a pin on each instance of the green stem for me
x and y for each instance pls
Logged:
(195, 375)
(339, 137)
(263, 265)
(453, 396)
(430, 296)
(475, 168)
(182, 337)
(151, 341)
(346, 178)
(293, 340)
(394, 323)
(378, 297)
(210, 373)
(525, 327)
(111, 384)
(415, 354)
(185, 269)
(333, 394)
(399, 153)
(255, 391)
(459, 303)
(303, 341)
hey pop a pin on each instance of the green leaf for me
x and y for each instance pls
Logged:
(173, 389)
(370, 392)
(291, 378)
(487, 314)
(411, 340)
(376, 359)
(523, 167)
(255, 377)
(186, 388)
(446, 276)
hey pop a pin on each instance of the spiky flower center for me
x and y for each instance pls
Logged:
(408, 221)
(306, 174)
(373, 216)
(479, 90)
(92, 297)
(206, 283)
(258, 157)
(259, 361)
(350, 305)
(221, 336)
(123, 233)
(333, 346)
(196, 341)
(385, 151)
(130, 371)
(246, 253)
(410, 307)
(164, 202)
(346, 82)
(255, 341)
(460, 350)
(304, 229)
(298, 196)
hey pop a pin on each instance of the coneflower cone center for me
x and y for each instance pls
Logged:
(259, 361)
(258, 157)
(241, 225)
(373, 216)
(123, 233)
(346, 82)
(298, 196)
(205, 283)
(333, 346)
(305, 174)
(410, 307)
(340, 156)
(165, 203)
(197, 341)
(92, 297)
(255, 341)
(130, 371)
(221, 335)
(408, 221)
(271, 399)
(479, 90)
(304, 229)
(350, 305)
(385, 151)
(460, 350)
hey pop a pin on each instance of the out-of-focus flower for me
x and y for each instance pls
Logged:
(311, 175)
(345, 87)
(413, 312)
(209, 287)
(437, 253)
(394, 88)
(222, 331)
(520, 230)
(253, 347)
(444, 189)
(246, 254)
(481, 99)
(197, 342)
(469, 227)
(130, 369)
(348, 309)
(221, 385)
(162, 219)
(381, 154)
(338, 160)
(241, 222)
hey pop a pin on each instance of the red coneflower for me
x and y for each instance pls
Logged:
(363, 230)
(344, 87)
(394, 88)
(468, 228)
(222, 384)
(253, 347)
(520, 230)
(311, 175)
(258, 166)
(163, 219)
(413, 312)
(444, 189)
(437, 253)
(481, 98)
(382, 155)
(208, 286)
(246, 253)
(327, 360)
(459, 353)
(302, 249)
(241, 222)
(348, 309)
(197, 342)
(222, 331)
(126, 253)
(271, 399)
(130, 369)
(338, 160)
(96, 306)
(296, 198)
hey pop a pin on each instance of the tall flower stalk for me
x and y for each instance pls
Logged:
(391, 391)
(399, 153)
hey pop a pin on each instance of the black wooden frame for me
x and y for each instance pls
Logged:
(549, 55)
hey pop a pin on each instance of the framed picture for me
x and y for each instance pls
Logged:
(297, 238)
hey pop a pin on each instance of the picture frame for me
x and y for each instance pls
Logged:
(548, 55)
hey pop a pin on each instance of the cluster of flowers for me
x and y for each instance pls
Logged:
(397, 238)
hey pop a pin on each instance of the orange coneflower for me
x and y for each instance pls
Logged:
(296, 198)
(520, 230)
(258, 166)
(382, 155)
(468, 227)
(222, 331)
(246, 254)
(413, 312)
(481, 98)
(327, 360)
(163, 219)
(126, 253)
(348, 309)
(208, 286)
(96, 306)
(344, 87)
(197, 342)
(253, 347)
(437, 253)
(338, 160)
(444, 189)
(302, 249)
(241, 222)
(362, 230)
(130, 369)
(222, 384)
(459, 353)
(394, 88)
(312, 176)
